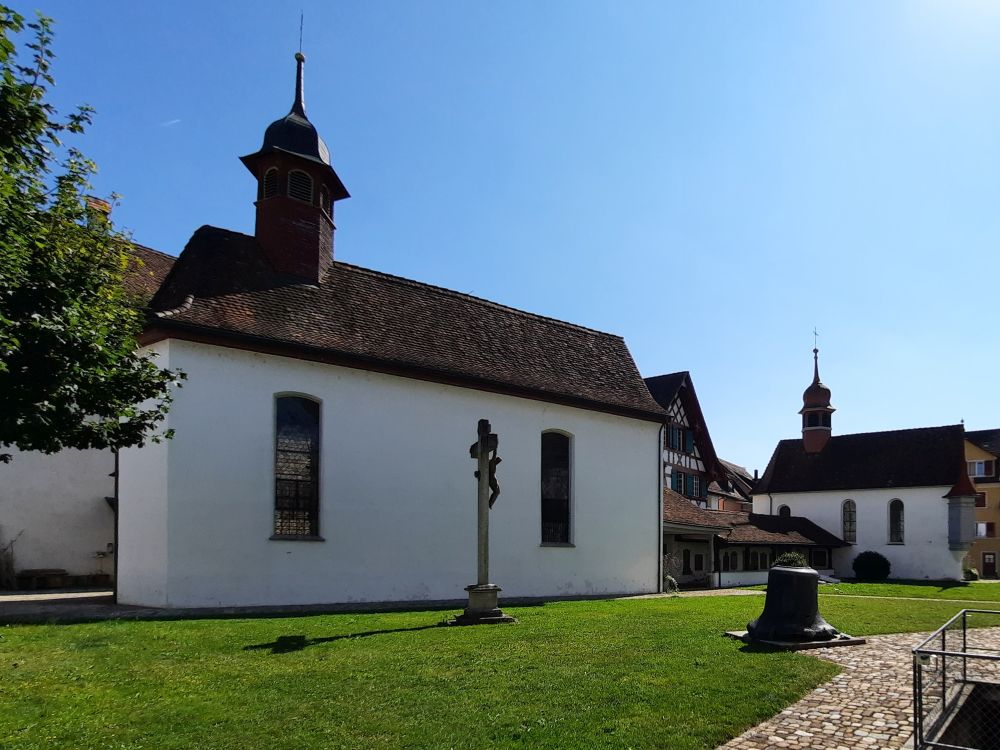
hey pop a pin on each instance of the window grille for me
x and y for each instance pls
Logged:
(850, 522)
(896, 522)
(300, 186)
(555, 488)
(270, 187)
(296, 467)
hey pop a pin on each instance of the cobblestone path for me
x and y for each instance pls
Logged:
(868, 705)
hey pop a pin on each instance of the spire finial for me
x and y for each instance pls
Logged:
(299, 106)
(815, 355)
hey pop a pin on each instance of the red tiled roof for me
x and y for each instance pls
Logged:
(146, 275)
(222, 284)
(758, 528)
(677, 509)
(924, 457)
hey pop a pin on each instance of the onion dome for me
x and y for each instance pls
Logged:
(817, 394)
(294, 134)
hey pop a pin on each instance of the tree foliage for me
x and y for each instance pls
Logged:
(70, 372)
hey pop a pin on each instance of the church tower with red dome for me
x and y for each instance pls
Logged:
(816, 411)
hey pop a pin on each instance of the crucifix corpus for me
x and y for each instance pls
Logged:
(483, 608)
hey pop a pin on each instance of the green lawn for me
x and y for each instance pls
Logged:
(955, 590)
(648, 673)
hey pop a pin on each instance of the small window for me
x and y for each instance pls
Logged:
(300, 186)
(784, 511)
(980, 469)
(699, 562)
(980, 531)
(296, 467)
(555, 488)
(324, 199)
(849, 513)
(678, 482)
(812, 419)
(269, 188)
(825, 418)
(734, 560)
(896, 521)
(725, 562)
(980, 499)
(686, 562)
(820, 558)
(696, 486)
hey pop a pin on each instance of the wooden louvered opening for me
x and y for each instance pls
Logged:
(300, 186)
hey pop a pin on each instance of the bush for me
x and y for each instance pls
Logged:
(871, 566)
(790, 560)
(970, 574)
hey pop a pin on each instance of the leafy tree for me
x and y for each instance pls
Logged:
(70, 372)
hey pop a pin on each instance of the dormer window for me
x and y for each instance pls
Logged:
(269, 186)
(300, 186)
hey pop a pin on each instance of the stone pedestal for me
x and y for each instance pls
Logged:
(483, 607)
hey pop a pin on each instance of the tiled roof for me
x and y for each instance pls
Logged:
(677, 509)
(757, 528)
(988, 440)
(222, 284)
(146, 275)
(924, 457)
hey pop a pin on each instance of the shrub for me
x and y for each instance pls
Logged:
(790, 560)
(970, 574)
(871, 566)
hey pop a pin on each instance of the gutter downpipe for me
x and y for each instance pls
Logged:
(659, 509)
(770, 504)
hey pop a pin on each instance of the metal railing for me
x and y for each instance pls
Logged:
(956, 684)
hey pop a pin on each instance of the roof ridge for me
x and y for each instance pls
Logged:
(152, 250)
(448, 292)
(473, 298)
(882, 432)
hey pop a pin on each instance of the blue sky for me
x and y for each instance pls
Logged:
(710, 180)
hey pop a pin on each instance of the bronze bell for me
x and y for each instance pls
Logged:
(791, 608)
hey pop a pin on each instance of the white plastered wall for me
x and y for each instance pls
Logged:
(398, 497)
(924, 553)
(53, 506)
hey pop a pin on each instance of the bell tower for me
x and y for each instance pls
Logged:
(816, 411)
(296, 191)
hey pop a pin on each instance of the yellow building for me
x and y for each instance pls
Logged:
(982, 452)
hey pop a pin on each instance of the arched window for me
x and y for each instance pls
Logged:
(555, 488)
(896, 521)
(269, 187)
(784, 511)
(849, 521)
(296, 467)
(324, 199)
(300, 186)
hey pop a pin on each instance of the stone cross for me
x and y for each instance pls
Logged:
(483, 607)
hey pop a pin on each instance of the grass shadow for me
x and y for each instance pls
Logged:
(286, 644)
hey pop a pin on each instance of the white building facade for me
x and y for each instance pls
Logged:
(916, 543)
(397, 501)
(55, 513)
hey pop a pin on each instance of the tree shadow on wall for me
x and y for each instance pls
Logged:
(286, 644)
